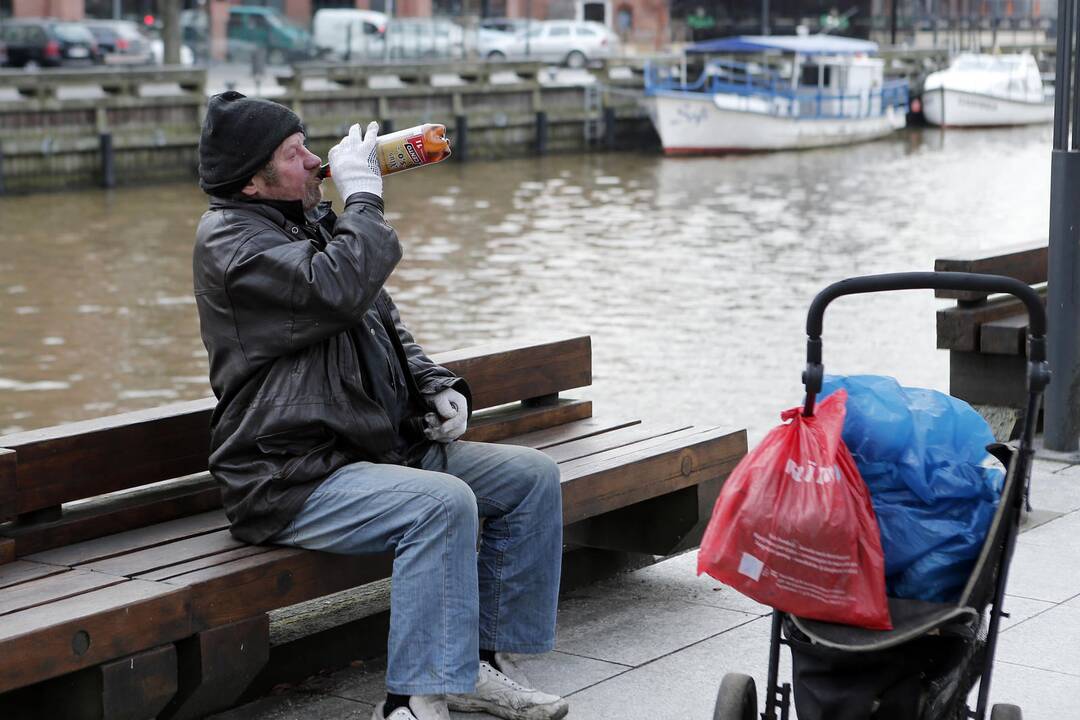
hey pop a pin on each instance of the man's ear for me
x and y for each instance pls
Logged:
(250, 190)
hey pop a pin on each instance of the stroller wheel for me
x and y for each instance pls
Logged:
(1006, 712)
(737, 699)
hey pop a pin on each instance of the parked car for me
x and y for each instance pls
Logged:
(348, 33)
(415, 38)
(45, 42)
(567, 42)
(121, 42)
(266, 28)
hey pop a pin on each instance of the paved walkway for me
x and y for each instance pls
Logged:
(653, 644)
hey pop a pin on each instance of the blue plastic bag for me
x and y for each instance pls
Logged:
(934, 486)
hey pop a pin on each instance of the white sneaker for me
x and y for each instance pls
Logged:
(503, 697)
(421, 707)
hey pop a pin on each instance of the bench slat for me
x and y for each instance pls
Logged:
(53, 588)
(581, 467)
(501, 423)
(958, 327)
(1026, 262)
(115, 513)
(567, 452)
(646, 470)
(132, 540)
(284, 576)
(105, 624)
(507, 373)
(93, 457)
(137, 563)
(7, 484)
(207, 561)
(1007, 336)
(580, 429)
(22, 571)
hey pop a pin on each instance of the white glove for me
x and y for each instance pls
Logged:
(450, 417)
(354, 165)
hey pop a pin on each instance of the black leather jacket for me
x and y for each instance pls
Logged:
(280, 303)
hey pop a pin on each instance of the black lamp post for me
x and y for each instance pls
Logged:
(1062, 413)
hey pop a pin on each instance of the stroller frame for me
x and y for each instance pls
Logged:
(986, 584)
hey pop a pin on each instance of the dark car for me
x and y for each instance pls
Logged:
(121, 41)
(48, 43)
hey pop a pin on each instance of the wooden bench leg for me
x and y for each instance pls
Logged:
(135, 687)
(217, 665)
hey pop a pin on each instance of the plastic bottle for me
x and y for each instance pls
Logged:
(407, 149)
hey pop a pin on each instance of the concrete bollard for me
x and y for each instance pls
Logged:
(541, 133)
(108, 167)
(609, 128)
(461, 143)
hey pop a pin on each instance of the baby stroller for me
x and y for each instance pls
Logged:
(925, 667)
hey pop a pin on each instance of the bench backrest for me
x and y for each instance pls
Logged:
(40, 470)
(1026, 262)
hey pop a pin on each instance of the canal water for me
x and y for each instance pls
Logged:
(692, 276)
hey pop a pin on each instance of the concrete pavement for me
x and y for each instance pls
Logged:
(654, 644)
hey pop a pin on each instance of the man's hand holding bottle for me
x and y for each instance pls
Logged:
(355, 162)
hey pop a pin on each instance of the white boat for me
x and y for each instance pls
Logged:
(983, 90)
(801, 91)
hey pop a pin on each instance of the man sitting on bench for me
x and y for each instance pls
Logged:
(334, 431)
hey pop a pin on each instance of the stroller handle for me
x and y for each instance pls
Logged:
(1038, 372)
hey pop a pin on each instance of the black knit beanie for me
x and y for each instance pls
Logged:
(239, 137)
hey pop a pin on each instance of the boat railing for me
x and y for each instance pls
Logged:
(716, 72)
(768, 93)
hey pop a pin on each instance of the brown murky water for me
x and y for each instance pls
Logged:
(692, 275)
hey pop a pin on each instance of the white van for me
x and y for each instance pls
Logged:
(349, 33)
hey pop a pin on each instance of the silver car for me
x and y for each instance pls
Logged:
(424, 38)
(566, 42)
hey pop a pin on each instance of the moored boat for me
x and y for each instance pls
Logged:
(792, 92)
(979, 90)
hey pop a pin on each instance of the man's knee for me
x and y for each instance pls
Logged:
(455, 500)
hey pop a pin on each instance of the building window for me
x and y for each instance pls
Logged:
(446, 8)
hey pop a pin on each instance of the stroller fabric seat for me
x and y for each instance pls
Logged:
(910, 618)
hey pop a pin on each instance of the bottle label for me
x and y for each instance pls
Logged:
(407, 152)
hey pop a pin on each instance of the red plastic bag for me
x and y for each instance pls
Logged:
(793, 526)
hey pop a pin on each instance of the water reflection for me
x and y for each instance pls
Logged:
(692, 275)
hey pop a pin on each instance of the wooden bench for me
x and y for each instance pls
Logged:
(123, 594)
(986, 336)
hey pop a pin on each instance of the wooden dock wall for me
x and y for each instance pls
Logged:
(123, 126)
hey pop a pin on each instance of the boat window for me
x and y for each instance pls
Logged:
(810, 75)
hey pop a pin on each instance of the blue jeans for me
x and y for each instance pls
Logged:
(445, 595)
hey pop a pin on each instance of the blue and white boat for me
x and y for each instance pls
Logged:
(785, 92)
